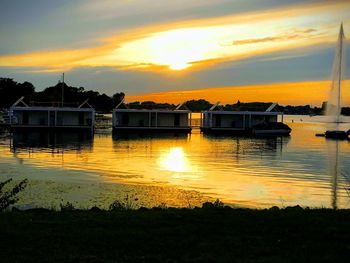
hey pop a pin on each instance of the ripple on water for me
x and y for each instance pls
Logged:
(256, 172)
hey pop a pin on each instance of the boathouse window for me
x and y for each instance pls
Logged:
(218, 121)
(81, 118)
(177, 120)
(153, 119)
(25, 117)
(52, 118)
(125, 119)
(42, 121)
(89, 121)
(59, 120)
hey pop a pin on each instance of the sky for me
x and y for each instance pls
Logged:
(169, 51)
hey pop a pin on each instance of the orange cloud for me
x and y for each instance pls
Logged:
(192, 43)
(297, 34)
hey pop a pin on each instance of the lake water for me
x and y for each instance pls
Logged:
(181, 170)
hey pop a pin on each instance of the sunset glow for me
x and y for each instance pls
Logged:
(225, 38)
(174, 130)
(313, 92)
(186, 56)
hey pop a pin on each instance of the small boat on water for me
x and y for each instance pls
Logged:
(272, 129)
(341, 135)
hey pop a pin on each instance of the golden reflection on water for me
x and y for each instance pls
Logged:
(175, 160)
(244, 171)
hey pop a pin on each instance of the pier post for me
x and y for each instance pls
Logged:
(190, 120)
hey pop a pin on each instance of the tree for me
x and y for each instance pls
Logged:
(103, 103)
(117, 98)
(198, 105)
(11, 91)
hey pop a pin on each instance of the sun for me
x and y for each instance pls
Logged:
(178, 65)
(176, 57)
(178, 49)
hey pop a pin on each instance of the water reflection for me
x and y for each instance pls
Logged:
(146, 135)
(256, 172)
(175, 160)
(53, 140)
(244, 145)
(334, 169)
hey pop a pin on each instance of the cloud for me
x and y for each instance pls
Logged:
(286, 66)
(298, 33)
(111, 9)
(198, 43)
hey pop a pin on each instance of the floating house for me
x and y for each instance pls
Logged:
(22, 116)
(244, 122)
(145, 120)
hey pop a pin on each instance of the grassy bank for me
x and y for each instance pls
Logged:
(176, 235)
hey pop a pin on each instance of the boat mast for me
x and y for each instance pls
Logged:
(62, 88)
(341, 37)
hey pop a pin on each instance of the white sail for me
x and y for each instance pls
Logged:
(334, 99)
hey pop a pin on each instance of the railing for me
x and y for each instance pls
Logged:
(53, 104)
(150, 126)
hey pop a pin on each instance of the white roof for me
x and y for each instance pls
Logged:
(41, 108)
(146, 111)
(25, 107)
(244, 112)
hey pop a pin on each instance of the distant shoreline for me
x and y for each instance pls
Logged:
(11, 91)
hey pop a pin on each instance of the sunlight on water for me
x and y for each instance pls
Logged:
(174, 160)
(179, 170)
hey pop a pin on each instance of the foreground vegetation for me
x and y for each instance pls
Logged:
(9, 197)
(212, 233)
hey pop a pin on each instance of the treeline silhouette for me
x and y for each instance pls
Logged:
(11, 91)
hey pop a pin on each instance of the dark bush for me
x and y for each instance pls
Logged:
(9, 197)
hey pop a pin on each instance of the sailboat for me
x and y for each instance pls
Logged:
(334, 102)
